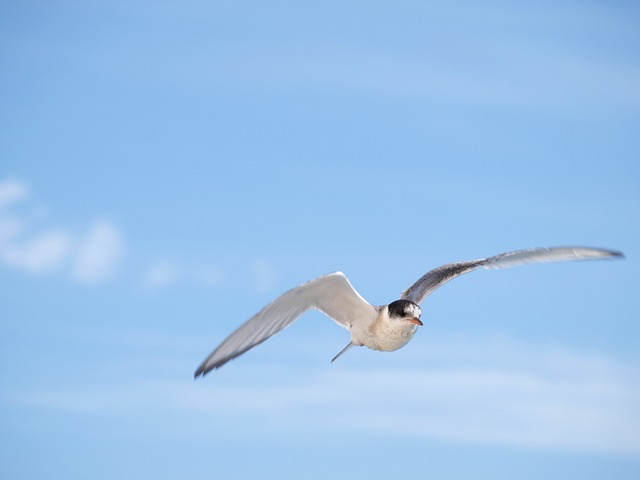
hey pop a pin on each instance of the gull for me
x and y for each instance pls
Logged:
(385, 328)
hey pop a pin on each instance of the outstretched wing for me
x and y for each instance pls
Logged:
(437, 277)
(332, 294)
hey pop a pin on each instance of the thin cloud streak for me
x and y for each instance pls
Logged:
(165, 273)
(492, 399)
(536, 75)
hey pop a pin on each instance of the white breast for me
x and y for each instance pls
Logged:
(385, 334)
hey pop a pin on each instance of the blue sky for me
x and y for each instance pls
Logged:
(167, 168)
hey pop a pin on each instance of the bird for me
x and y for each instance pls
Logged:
(386, 327)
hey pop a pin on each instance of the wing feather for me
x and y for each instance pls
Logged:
(437, 277)
(332, 294)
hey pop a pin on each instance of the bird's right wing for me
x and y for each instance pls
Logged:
(437, 277)
(332, 294)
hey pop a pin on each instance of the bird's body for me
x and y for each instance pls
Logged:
(387, 333)
(384, 328)
(386, 337)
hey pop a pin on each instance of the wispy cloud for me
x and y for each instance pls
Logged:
(40, 253)
(162, 274)
(165, 273)
(98, 253)
(12, 191)
(89, 257)
(511, 396)
(263, 276)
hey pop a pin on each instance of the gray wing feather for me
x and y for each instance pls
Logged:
(332, 294)
(437, 277)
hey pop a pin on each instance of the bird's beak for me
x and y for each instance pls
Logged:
(416, 321)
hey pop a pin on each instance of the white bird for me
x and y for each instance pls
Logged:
(385, 328)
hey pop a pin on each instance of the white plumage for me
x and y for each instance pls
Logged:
(385, 328)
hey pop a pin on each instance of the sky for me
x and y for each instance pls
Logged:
(168, 168)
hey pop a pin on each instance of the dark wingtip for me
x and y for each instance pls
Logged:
(204, 369)
(200, 372)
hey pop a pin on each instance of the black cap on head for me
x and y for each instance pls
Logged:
(404, 308)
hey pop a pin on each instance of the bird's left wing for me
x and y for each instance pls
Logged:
(437, 277)
(332, 294)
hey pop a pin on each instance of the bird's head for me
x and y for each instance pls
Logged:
(405, 310)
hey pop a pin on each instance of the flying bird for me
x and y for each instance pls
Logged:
(386, 327)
